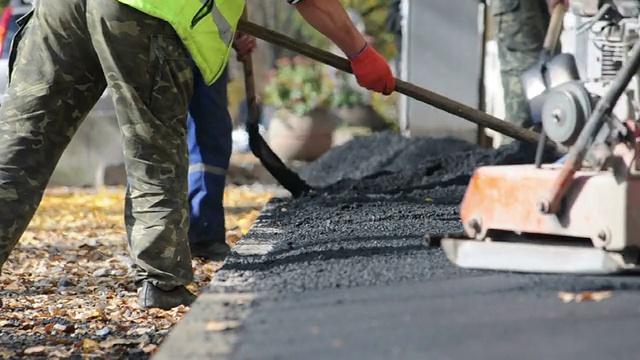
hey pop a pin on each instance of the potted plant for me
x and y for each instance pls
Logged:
(302, 125)
(350, 103)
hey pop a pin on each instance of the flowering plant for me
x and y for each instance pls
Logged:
(298, 85)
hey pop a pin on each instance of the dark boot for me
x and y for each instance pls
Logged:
(152, 296)
(210, 250)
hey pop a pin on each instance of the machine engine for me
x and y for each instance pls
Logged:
(606, 31)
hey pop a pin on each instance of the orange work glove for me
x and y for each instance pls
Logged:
(372, 71)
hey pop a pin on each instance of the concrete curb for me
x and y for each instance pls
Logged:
(216, 317)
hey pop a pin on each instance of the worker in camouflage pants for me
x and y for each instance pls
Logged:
(68, 52)
(520, 27)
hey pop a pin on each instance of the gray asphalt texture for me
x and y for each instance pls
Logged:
(350, 278)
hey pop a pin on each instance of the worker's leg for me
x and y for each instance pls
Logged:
(149, 75)
(209, 138)
(54, 83)
(520, 29)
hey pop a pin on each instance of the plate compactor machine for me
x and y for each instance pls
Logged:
(581, 216)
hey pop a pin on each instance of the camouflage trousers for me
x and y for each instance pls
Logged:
(69, 52)
(520, 27)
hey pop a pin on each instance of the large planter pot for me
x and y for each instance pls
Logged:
(303, 138)
(361, 116)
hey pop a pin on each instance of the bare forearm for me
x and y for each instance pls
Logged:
(370, 68)
(331, 19)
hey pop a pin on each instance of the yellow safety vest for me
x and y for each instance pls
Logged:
(206, 27)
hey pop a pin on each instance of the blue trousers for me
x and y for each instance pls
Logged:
(209, 139)
(562, 159)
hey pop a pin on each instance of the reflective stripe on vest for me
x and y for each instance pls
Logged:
(224, 28)
(209, 40)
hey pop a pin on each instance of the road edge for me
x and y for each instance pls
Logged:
(217, 316)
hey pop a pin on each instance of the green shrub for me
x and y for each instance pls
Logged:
(298, 85)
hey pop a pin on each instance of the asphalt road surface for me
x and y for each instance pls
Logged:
(482, 317)
(344, 274)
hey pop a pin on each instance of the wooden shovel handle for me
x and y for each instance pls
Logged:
(249, 83)
(555, 27)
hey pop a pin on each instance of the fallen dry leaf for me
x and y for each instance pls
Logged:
(89, 346)
(113, 341)
(14, 286)
(597, 296)
(7, 354)
(214, 325)
(150, 349)
(35, 350)
(61, 354)
(57, 340)
(68, 329)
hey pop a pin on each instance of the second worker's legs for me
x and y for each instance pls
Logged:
(209, 138)
(520, 29)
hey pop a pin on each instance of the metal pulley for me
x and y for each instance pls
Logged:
(565, 112)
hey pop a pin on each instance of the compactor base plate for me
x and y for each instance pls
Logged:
(535, 258)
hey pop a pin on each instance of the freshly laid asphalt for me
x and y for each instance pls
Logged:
(344, 274)
(481, 317)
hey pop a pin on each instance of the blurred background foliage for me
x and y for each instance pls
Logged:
(282, 17)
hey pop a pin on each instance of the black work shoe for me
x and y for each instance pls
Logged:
(151, 296)
(214, 250)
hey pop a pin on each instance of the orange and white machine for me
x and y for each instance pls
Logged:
(582, 216)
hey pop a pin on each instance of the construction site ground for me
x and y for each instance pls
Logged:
(343, 273)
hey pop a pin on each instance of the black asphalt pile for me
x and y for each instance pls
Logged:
(390, 163)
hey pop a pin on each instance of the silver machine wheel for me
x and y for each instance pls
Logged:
(565, 111)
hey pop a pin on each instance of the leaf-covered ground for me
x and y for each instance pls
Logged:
(67, 288)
